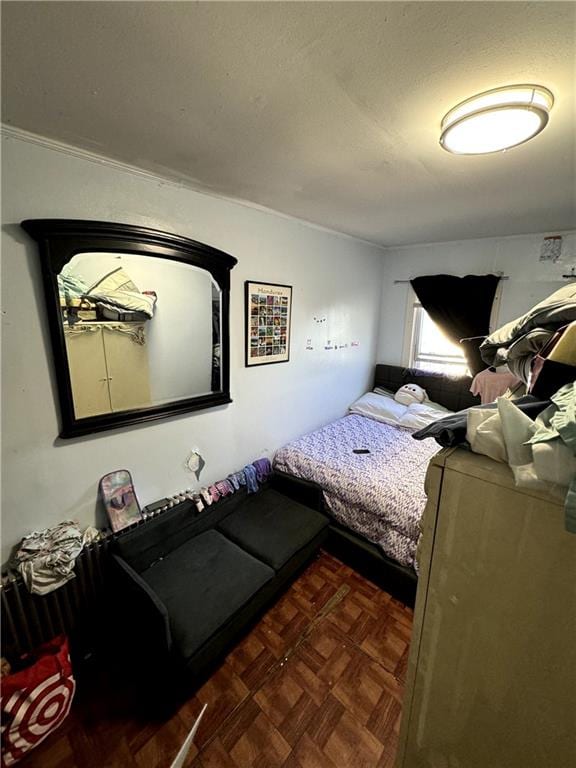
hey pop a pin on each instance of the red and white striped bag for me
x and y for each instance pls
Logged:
(36, 700)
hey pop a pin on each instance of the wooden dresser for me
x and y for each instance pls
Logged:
(492, 674)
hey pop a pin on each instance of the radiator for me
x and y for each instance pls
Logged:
(28, 620)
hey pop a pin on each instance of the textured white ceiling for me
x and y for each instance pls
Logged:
(325, 111)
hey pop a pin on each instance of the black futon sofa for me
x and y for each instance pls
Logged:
(188, 584)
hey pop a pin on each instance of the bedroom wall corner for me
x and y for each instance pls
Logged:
(530, 280)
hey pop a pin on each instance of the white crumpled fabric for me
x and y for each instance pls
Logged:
(46, 559)
(484, 433)
(540, 453)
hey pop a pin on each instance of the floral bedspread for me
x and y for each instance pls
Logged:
(378, 494)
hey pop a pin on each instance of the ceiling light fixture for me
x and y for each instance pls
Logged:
(496, 120)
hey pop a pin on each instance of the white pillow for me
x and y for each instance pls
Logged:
(379, 407)
(419, 415)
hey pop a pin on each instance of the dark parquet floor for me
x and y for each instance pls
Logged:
(316, 684)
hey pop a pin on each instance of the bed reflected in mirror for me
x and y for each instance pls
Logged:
(138, 320)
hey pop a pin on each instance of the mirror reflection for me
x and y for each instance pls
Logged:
(139, 331)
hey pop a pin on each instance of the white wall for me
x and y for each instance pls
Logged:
(529, 281)
(46, 479)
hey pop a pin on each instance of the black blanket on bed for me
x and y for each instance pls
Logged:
(451, 430)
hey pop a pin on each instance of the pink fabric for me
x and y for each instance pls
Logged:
(224, 487)
(214, 492)
(490, 385)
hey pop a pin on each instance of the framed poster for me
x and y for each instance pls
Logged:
(268, 316)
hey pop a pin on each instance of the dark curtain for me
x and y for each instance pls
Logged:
(461, 306)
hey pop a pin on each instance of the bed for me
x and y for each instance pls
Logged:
(375, 499)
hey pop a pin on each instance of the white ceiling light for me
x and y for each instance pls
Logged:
(496, 119)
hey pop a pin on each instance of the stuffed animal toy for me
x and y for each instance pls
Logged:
(410, 393)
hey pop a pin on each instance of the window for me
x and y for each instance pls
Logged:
(431, 350)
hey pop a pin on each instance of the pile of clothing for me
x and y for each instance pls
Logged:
(45, 559)
(517, 343)
(114, 296)
(541, 453)
(534, 434)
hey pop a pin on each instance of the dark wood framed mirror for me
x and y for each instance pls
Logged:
(139, 322)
